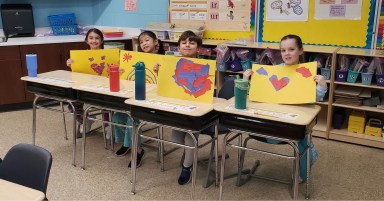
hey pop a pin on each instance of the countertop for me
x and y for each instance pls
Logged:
(53, 39)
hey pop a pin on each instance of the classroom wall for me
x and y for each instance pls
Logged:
(112, 13)
(98, 12)
(42, 8)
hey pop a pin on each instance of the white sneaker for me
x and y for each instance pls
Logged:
(108, 133)
(89, 126)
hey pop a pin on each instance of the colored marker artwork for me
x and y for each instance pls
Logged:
(187, 78)
(93, 62)
(283, 84)
(192, 77)
(128, 59)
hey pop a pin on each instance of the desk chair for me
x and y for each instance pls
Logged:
(27, 165)
(226, 92)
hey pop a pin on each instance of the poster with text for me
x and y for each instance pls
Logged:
(187, 78)
(287, 10)
(338, 9)
(94, 62)
(283, 84)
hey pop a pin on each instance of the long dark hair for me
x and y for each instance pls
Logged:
(160, 48)
(299, 43)
(98, 32)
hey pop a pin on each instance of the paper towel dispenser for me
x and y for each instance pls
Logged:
(17, 20)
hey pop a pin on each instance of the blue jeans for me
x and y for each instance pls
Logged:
(122, 133)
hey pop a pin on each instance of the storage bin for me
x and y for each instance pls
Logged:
(246, 64)
(379, 80)
(341, 75)
(373, 127)
(62, 19)
(64, 30)
(114, 45)
(326, 73)
(352, 76)
(356, 122)
(366, 78)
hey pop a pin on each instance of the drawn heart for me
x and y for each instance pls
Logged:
(278, 84)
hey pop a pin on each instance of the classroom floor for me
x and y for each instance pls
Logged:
(343, 172)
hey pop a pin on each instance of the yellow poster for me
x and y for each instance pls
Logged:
(94, 62)
(128, 59)
(187, 78)
(283, 84)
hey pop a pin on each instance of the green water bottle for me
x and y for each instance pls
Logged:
(241, 92)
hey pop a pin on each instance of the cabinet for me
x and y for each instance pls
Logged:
(11, 87)
(342, 134)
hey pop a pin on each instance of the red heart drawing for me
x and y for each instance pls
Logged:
(278, 84)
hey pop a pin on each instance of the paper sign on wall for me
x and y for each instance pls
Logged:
(94, 62)
(283, 84)
(130, 5)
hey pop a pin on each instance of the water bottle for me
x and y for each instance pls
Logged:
(139, 81)
(114, 80)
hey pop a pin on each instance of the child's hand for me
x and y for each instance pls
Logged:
(156, 68)
(247, 74)
(69, 62)
(320, 81)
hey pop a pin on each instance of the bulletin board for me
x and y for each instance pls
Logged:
(355, 33)
(221, 29)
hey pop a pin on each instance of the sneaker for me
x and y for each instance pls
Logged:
(122, 151)
(185, 175)
(89, 126)
(139, 159)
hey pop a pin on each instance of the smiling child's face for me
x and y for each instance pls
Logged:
(188, 48)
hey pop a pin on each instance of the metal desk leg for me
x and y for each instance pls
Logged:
(297, 173)
(64, 122)
(309, 141)
(34, 121)
(136, 133)
(223, 164)
(161, 148)
(217, 153)
(85, 117)
(74, 134)
(194, 164)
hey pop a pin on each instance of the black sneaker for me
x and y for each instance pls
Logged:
(122, 151)
(185, 175)
(139, 158)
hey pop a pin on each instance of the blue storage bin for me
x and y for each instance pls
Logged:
(62, 19)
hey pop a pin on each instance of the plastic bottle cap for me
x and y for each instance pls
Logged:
(114, 67)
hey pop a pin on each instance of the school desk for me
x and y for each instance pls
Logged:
(94, 91)
(183, 115)
(56, 86)
(13, 191)
(287, 123)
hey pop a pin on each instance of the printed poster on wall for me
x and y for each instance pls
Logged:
(223, 15)
(286, 10)
(283, 84)
(94, 62)
(338, 9)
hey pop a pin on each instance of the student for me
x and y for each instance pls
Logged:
(189, 44)
(148, 44)
(291, 48)
(95, 41)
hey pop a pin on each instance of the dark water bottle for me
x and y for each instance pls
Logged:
(114, 79)
(139, 81)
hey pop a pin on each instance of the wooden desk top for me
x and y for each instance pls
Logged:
(13, 191)
(294, 114)
(61, 78)
(179, 106)
(101, 86)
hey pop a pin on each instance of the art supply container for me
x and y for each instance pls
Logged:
(352, 76)
(366, 78)
(139, 81)
(341, 75)
(31, 64)
(241, 92)
(114, 78)
(326, 73)
(379, 80)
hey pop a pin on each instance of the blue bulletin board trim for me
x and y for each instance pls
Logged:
(369, 34)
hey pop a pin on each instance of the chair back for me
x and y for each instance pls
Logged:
(27, 165)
